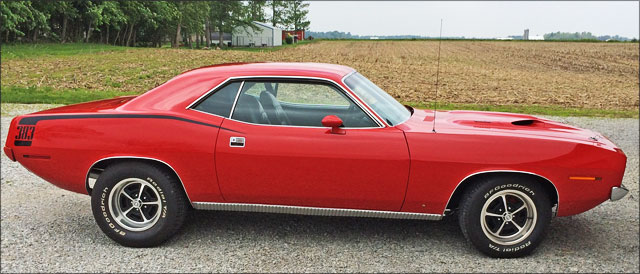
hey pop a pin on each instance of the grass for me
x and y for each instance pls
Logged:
(21, 51)
(532, 109)
(269, 49)
(35, 95)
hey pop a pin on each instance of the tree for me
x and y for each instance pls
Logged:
(196, 14)
(129, 22)
(21, 17)
(277, 12)
(226, 15)
(64, 11)
(569, 36)
(12, 15)
(135, 13)
(112, 17)
(296, 15)
(93, 16)
(256, 10)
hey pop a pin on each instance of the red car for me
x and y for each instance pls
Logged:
(314, 139)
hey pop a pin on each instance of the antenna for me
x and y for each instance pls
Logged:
(435, 108)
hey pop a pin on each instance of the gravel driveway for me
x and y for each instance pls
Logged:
(45, 228)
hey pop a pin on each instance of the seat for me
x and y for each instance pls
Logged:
(274, 110)
(249, 109)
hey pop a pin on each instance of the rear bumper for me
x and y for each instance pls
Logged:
(618, 193)
(9, 152)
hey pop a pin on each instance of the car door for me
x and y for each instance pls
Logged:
(268, 157)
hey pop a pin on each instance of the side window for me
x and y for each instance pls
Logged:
(296, 103)
(221, 101)
(311, 94)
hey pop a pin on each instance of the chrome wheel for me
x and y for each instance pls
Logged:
(135, 204)
(508, 217)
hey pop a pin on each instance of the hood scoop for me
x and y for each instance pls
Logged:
(526, 122)
(513, 124)
(502, 121)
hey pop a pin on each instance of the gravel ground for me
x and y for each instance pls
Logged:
(48, 229)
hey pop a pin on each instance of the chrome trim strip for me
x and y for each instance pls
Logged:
(208, 113)
(347, 75)
(137, 157)
(316, 211)
(366, 109)
(498, 171)
(368, 106)
(249, 123)
(235, 101)
(350, 128)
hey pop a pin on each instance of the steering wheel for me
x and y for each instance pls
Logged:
(273, 108)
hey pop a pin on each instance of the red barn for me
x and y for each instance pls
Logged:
(295, 33)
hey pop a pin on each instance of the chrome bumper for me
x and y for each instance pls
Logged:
(618, 193)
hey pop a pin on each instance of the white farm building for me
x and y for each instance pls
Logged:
(264, 35)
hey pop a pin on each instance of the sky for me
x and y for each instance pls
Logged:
(475, 19)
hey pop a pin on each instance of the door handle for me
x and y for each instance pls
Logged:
(236, 142)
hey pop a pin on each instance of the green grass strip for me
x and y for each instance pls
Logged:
(34, 95)
(532, 109)
(21, 51)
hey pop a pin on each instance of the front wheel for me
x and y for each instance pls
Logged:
(505, 216)
(137, 204)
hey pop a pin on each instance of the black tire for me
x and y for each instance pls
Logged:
(161, 218)
(496, 236)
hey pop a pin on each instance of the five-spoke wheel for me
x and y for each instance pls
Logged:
(135, 204)
(138, 204)
(505, 215)
(508, 217)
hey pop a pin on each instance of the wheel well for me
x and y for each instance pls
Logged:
(98, 167)
(548, 186)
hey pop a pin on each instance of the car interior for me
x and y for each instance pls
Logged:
(265, 108)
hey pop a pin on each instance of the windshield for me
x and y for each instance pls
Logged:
(381, 102)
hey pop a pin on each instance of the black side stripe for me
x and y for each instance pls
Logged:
(32, 120)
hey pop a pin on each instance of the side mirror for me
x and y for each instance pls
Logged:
(334, 122)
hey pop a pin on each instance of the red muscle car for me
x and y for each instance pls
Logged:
(314, 139)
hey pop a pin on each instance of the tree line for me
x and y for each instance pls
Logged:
(584, 36)
(142, 23)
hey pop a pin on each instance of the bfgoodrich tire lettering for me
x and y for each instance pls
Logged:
(138, 204)
(505, 216)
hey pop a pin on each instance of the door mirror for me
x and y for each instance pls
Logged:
(334, 122)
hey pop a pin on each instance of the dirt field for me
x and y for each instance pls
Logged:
(583, 75)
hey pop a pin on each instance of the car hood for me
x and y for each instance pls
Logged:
(500, 124)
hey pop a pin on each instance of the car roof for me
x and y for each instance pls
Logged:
(275, 69)
(183, 89)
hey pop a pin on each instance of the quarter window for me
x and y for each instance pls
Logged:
(221, 101)
(296, 103)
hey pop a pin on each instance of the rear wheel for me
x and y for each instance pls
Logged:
(138, 204)
(505, 216)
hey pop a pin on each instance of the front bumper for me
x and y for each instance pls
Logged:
(618, 193)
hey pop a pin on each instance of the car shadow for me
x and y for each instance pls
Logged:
(238, 230)
(216, 225)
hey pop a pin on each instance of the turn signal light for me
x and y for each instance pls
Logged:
(585, 178)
